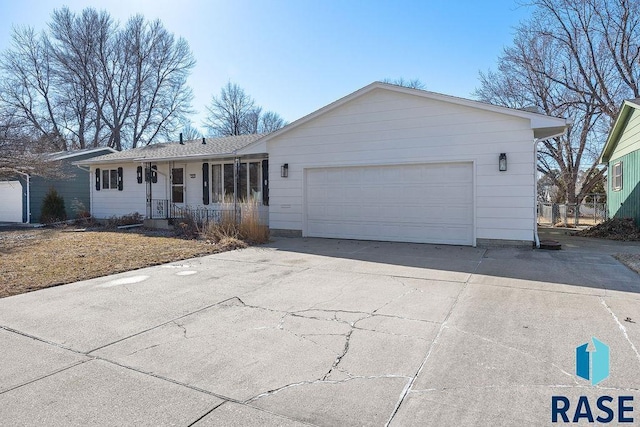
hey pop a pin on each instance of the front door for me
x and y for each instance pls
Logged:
(178, 190)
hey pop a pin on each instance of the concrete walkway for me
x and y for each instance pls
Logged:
(324, 332)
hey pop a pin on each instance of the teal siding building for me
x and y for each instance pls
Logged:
(74, 187)
(622, 155)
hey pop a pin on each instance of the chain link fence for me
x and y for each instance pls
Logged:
(571, 215)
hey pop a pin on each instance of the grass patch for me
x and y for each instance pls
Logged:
(40, 258)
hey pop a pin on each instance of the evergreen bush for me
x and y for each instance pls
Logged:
(53, 208)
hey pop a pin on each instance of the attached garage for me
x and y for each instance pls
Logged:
(399, 164)
(424, 203)
(11, 197)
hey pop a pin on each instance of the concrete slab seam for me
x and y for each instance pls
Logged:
(206, 413)
(57, 371)
(543, 290)
(42, 340)
(443, 326)
(160, 377)
(159, 325)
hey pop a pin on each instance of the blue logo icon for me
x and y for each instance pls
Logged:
(593, 365)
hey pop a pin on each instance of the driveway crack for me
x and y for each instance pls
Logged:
(340, 356)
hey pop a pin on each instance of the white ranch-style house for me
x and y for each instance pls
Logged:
(383, 163)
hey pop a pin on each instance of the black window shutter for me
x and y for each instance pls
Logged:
(265, 182)
(205, 183)
(154, 174)
(139, 174)
(120, 179)
(97, 179)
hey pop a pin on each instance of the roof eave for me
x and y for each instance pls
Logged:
(616, 131)
(82, 153)
(549, 132)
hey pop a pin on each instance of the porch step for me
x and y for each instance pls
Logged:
(162, 224)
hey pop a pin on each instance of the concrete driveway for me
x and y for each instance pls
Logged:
(324, 332)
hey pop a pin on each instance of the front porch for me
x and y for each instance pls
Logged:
(163, 213)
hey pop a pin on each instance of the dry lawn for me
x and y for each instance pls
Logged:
(36, 259)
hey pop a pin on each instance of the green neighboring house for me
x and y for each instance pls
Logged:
(622, 156)
(21, 197)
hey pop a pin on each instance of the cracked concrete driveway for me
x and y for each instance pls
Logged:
(323, 332)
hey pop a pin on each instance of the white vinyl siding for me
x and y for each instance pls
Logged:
(132, 198)
(384, 127)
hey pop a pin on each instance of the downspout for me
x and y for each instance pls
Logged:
(536, 238)
(28, 180)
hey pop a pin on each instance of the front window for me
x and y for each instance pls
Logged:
(109, 179)
(216, 183)
(616, 177)
(248, 181)
(227, 180)
(254, 179)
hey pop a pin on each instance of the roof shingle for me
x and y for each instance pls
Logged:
(214, 147)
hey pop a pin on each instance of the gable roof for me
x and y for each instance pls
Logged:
(543, 126)
(195, 149)
(618, 127)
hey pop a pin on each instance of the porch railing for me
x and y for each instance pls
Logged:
(163, 209)
(159, 209)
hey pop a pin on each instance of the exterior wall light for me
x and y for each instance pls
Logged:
(502, 162)
(284, 170)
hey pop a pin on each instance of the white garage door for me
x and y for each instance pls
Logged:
(426, 203)
(10, 201)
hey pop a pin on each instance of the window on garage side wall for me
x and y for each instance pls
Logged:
(616, 176)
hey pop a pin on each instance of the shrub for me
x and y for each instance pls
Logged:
(83, 216)
(189, 226)
(227, 230)
(250, 228)
(53, 208)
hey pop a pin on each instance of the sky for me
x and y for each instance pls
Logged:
(295, 56)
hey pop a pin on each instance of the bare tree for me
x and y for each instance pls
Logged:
(189, 132)
(577, 59)
(270, 122)
(88, 81)
(231, 113)
(20, 153)
(410, 83)
(234, 112)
